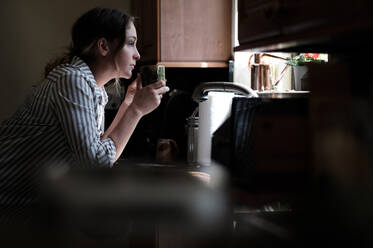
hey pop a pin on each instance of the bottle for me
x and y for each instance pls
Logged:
(192, 147)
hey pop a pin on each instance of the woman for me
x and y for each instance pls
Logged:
(62, 122)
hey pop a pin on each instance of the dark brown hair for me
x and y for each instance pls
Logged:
(107, 23)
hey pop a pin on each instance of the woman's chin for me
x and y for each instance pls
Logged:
(127, 75)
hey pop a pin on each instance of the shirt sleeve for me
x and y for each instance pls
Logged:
(75, 109)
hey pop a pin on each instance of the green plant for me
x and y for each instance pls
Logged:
(305, 58)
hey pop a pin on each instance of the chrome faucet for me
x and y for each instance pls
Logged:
(200, 92)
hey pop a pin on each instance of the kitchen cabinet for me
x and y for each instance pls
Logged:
(279, 137)
(339, 176)
(256, 20)
(184, 33)
(277, 25)
(265, 143)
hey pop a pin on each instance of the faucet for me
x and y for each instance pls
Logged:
(200, 92)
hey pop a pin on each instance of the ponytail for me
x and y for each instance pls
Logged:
(62, 59)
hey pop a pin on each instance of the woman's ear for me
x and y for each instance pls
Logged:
(103, 46)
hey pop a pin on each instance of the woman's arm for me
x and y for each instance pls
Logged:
(131, 91)
(72, 100)
(144, 101)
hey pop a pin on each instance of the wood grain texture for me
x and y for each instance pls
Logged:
(184, 33)
(195, 30)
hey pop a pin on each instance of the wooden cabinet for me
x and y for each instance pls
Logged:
(256, 20)
(276, 24)
(184, 33)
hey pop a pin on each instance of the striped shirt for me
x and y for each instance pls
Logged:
(60, 123)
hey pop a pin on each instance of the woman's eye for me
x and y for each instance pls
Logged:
(131, 43)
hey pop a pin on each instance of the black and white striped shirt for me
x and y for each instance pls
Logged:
(60, 123)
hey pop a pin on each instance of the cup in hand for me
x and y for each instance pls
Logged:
(152, 73)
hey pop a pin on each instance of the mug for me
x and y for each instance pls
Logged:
(166, 151)
(152, 73)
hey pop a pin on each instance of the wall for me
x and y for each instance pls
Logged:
(32, 33)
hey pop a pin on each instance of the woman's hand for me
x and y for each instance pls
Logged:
(149, 97)
(142, 100)
(131, 90)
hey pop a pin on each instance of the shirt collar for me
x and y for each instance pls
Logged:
(78, 62)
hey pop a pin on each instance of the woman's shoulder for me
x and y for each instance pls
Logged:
(68, 80)
(64, 71)
(71, 74)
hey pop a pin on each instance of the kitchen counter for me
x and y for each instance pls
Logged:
(256, 219)
(283, 94)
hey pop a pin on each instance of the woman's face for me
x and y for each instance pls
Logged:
(128, 55)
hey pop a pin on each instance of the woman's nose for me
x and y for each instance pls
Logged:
(137, 55)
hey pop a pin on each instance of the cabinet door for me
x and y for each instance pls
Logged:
(279, 24)
(195, 30)
(304, 15)
(300, 15)
(280, 143)
(258, 20)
